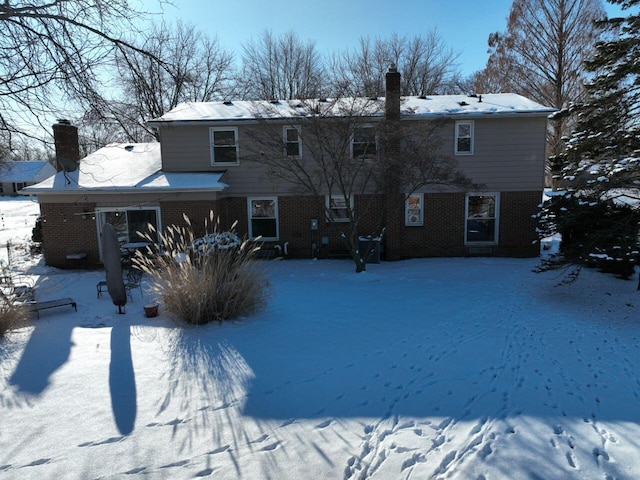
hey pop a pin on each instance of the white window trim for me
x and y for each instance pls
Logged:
(329, 209)
(284, 137)
(100, 210)
(409, 222)
(497, 217)
(359, 127)
(250, 217)
(472, 137)
(212, 145)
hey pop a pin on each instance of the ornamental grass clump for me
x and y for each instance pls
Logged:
(12, 315)
(200, 280)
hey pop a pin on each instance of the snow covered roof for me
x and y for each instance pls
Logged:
(126, 168)
(27, 172)
(433, 105)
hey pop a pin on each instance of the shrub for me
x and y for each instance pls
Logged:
(36, 232)
(214, 277)
(12, 315)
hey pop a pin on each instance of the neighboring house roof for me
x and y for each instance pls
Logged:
(414, 107)
(126, 168)
(26, 172)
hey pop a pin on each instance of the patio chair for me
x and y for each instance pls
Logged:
(17, 288)
(133, 280)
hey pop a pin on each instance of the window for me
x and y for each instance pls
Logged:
(263, 218)
(414, 210)
(130, 224)
(482, 218)
(363, 143)
(464, 138)
(292, 144)
(224, 145)
(338, 208)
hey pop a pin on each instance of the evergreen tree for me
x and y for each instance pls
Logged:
(598, 211)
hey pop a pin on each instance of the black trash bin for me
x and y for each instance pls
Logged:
(369, 247)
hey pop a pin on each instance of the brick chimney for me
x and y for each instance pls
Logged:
(65, 137)
(394, 198)
(392, 94)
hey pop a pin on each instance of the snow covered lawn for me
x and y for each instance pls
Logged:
(457, 368)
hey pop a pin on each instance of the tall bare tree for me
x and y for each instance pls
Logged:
(427, 65)
(541, 55)
(352, 157)
(280, 68)
(51, 51)
(183, 64)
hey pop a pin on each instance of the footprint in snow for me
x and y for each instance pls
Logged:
(324, 424)
(271, 447)
(260, 439)
(204, 473)
(220, 450)
(599, 453)
(180, 463)
(41, 461)
(135, 471)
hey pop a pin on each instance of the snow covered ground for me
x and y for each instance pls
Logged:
(463, 368)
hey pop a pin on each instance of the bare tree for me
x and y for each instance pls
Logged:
(51, 51)
(280, 68)
(184, 65)
(428, 67)
(353, 156)
(541, 55)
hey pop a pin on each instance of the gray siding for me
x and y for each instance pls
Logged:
(508, 155)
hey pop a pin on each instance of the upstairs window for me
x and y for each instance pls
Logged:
(224, 145)
(414, 210)
(464, 138)
(292, 143)
(338, 208)
(363, 143)
(482, 219)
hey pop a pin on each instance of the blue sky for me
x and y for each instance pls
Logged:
(338, 24)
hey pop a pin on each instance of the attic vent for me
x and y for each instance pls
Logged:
(129, 148)
(463, 103)
(228, 102)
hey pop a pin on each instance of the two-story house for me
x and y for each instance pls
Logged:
(215, 156)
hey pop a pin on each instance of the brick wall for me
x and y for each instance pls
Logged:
(173, 212)
(517, 225)
(68, 229)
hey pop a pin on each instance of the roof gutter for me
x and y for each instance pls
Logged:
(118, 191)
(403, 116)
